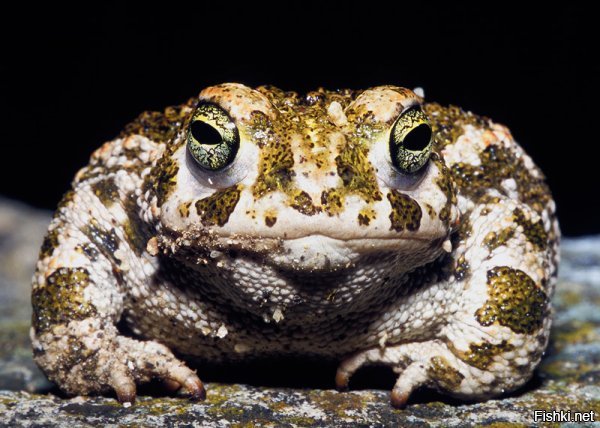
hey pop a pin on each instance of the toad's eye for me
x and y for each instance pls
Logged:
(213, 139)
(410, 141)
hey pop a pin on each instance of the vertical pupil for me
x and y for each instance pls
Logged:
(204, 133)
(418, 138)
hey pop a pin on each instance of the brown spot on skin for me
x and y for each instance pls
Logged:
(497, 163)
(50, 243)
(107, 242)
(275, 167)
(534, 232)
(303, 203)
(444, 375)
(356, 172)
(136, 231)
(270, 221)
(60, 299)
(482, 355)
(89, 250)
(464, 232)
(365, 216)
(65, 201)
(462, 269)
(363, 220)
(160, 126)
(444, 182)
(447, 122)
(332, 201)
(184, 209)
(430, 210)
(163, 177)
(495, 239)
(406, 212)
(216, 209)
(106, 191)
(515, 301)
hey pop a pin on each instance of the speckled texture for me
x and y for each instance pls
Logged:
(321, 226)
(566, 379)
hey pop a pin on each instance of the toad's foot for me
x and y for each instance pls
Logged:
(84, 358)
(422, 363)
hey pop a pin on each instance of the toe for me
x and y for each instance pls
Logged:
(399, 398)
(123, 384)
(413, 376)
(349, 366)
(342, 380)
(194, 388)
(190, 383)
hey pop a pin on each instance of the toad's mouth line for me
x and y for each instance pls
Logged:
(363, 240)
(201, 234)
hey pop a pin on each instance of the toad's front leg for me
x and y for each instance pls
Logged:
(505, 268)
(78, 298)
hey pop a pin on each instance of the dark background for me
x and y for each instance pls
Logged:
(72, 76)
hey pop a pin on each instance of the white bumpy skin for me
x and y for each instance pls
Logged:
(368, 227)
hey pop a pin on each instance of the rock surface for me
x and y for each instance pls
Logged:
(568, 378)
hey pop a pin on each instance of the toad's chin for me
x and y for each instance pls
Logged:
(319, 253)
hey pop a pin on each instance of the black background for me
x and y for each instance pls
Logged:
(72, 76)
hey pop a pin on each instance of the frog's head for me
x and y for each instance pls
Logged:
(306, 184)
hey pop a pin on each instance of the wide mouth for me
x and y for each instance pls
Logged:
(322, 254)
(313, 253)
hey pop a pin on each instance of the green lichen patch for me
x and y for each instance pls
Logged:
(534, 232)
(216, 209)
(60, 299)
(567, 298)
(575, 332)
(14, 341)
(443, 374)
(356, 172)
(482, 355)
(339, 404)
(494, 240)
(106, 191)
(514, 301)
(406, 212)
